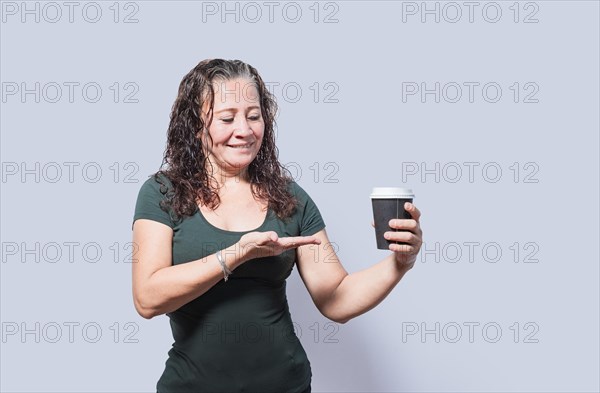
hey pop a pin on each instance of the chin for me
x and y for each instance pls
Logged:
(241, 163)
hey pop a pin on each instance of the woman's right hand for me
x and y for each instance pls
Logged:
(266, 244)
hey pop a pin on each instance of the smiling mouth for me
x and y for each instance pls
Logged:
(246, 146)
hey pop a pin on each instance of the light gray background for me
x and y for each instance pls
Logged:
(368, 134)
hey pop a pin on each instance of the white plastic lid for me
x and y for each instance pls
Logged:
(391, 192)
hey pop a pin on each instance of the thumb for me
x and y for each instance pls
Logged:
(273, 236)
(373, 223)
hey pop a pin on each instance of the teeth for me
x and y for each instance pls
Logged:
(241, 147)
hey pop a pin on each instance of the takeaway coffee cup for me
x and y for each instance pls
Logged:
(388, 203)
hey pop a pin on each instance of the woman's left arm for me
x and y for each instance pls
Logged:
(340, 296)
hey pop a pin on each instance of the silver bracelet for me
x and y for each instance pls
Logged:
(226, 271)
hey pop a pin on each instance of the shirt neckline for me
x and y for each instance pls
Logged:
(199, 212)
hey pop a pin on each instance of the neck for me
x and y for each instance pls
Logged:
(228, 178)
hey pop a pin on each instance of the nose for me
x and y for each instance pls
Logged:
(243, 128)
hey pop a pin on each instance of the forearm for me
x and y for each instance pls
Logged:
(171, 287)
(359, 292)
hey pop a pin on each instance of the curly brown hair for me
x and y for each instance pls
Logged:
(186, 159)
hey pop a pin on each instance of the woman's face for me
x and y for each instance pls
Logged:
(237, 126)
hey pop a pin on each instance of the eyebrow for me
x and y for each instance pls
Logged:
(235, 109)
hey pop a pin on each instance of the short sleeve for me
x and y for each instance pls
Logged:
(310, 219)
(147, 204)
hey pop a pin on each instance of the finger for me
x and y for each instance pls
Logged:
(404, 224)
(404, 236)
(406, 249)
(296, 241)
(310, 239)
(272, 236)
(267, 238)
(412, 209)
(373, 223)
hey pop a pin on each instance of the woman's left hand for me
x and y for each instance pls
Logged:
(409, 232)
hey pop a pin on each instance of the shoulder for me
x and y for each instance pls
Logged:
(156, 188)
(157, 183)
(297, 191)
(301, 195)
(307, 214)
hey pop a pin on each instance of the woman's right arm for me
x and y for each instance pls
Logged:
(159, 286)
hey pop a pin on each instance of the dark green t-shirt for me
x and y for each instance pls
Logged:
(238, 336)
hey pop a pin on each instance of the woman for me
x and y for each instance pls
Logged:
(218, 232)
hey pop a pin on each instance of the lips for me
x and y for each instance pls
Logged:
(247, 145)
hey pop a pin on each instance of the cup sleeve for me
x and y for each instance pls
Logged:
(147, 204)
(311, 220)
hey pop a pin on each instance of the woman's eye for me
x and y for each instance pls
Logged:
(253, 118)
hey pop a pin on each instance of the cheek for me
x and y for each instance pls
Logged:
(261, 133)
(219, 137)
